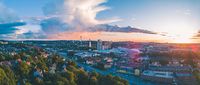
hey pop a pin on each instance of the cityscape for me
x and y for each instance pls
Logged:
(99, 42)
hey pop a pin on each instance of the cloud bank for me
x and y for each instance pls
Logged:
(61, 17)
(9, 22)
(73, 15)
(196, 36)
(80, 16)
(8, 28)
(110, 28)
(78, 12)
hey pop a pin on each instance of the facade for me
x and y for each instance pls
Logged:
(158, 76)
(181, 75)
(90, 44)
(99, 45)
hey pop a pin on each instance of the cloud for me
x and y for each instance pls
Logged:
(110, 28)
(53, 26)
(7, 15)
(8, 22)
(73, 15)
(13, 27)
(78, 12)
(187, 12)
(60, 17)
(75, 35)
(31, 35)
(8, 28)
(196, 36)
(80, 16)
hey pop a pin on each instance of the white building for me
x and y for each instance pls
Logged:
(161, 74)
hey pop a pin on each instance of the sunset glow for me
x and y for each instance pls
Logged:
(171, 21)
(99, 42)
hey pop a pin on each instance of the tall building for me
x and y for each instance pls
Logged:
(90, 43)
(106, 45)
(99, 45)
(81, 40)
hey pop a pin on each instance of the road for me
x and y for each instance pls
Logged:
(130, 78)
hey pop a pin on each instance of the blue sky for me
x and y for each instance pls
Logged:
(125, 9)
(26, 7)
(175, 18)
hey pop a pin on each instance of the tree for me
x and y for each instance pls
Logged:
(10, 74)
(82, 78)
(2, 58)
(23, 69)
(70, 76)
(110, 80)
(4, 80)
(93, 81)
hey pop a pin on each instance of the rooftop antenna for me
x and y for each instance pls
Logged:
(81, 40)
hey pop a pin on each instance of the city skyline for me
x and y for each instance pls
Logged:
(172, 21)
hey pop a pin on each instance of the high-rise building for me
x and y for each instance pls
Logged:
(106, 45)
(99, 45)
(81, 40)
(90, 43)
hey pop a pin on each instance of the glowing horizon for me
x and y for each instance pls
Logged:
(169, 21)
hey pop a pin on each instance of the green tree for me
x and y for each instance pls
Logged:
(4, 80)
(82, 78)
(23, 69)
(10, 74)
(93, 81)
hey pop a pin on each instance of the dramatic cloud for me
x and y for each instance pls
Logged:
(32, 35)
(61, 17)
(76, 35)
(13, 27)
(8, 28)
(80, 16)
(53, 26)
(77, 12)
(196, 36)
(9, 22)
(110, 28)
(73, 15)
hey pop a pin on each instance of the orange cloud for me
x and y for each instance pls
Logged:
(75, 35)
(107, 36)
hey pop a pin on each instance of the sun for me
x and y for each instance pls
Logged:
(182, 39)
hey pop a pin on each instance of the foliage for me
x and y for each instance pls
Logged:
(22, 72)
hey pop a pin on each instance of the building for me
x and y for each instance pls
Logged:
(181, 75)
(185, 78)
(99, 45)
(103, 45)
(106, 45)
(158, 76)
(171, 68)
(90, 44)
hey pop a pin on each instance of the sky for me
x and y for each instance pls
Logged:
(172, 21)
